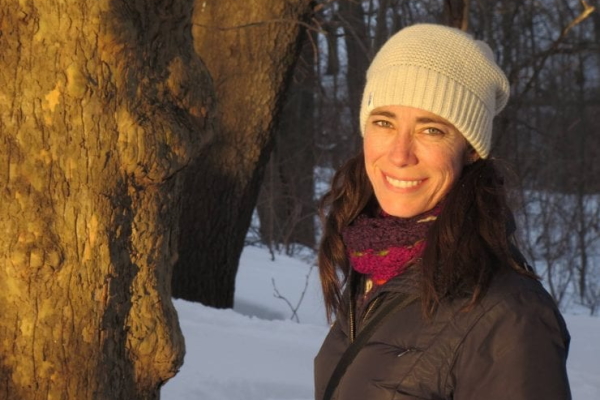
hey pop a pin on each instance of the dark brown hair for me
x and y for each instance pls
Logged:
(472, 238)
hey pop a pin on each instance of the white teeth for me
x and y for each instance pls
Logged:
(401, 184)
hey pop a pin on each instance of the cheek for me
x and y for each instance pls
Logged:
(369, 165)
(371, 153)
(454, 168)
(368, 147)
(455, 157)
(375, 147)
(458, 167)
(449, 165)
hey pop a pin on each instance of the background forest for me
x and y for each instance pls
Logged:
(549, 135)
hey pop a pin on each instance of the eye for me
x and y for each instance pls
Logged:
(433, 131)
(382, 123)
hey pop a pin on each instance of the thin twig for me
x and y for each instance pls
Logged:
(278, 295)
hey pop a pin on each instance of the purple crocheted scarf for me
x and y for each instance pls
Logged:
(384, 246)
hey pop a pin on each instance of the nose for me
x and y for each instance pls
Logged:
(401, 152)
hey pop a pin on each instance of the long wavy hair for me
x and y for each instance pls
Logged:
(472, 238)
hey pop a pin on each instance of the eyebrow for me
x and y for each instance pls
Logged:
(427, 120)
(382, 113)
(421, 120)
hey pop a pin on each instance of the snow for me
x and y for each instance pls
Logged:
(583, 364)
(256, 352)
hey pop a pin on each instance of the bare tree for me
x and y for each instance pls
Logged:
(352, 17)
(286, 205)
(249, 49)
(543, 133)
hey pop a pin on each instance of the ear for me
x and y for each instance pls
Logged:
(471, 156)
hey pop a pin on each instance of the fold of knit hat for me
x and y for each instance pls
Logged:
(441, 70)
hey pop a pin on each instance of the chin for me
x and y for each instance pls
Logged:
(405, 212)
(401, 213)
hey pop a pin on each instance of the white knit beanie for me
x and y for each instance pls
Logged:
(441, 70)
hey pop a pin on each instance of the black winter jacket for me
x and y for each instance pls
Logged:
(512, 346)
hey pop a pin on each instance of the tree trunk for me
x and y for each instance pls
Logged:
(456, 13)
(357, 47)
(257, 46)
(286, 205)
(382, 33)
(102, 104)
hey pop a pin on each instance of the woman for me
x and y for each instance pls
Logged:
(418, 263)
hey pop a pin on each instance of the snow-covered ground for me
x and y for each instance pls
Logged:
(255, 352)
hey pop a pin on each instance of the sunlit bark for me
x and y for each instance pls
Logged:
(249, 49)
(102, 104)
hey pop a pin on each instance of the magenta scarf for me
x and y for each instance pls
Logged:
(384, 246)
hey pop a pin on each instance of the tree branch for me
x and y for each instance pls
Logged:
(262, 23)
(587, 11)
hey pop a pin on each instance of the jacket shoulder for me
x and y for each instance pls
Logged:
(511, 292)
(517, 344)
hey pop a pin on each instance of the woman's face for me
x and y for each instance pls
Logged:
(412, 157)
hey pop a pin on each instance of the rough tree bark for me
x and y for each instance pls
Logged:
(286, 206)
(249, 49)
(102, 104)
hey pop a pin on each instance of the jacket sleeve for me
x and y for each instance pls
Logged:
(517, 350)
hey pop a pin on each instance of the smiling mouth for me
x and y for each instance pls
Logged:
(402, 184)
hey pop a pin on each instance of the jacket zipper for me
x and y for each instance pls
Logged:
(351, 320)
(370, 308)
